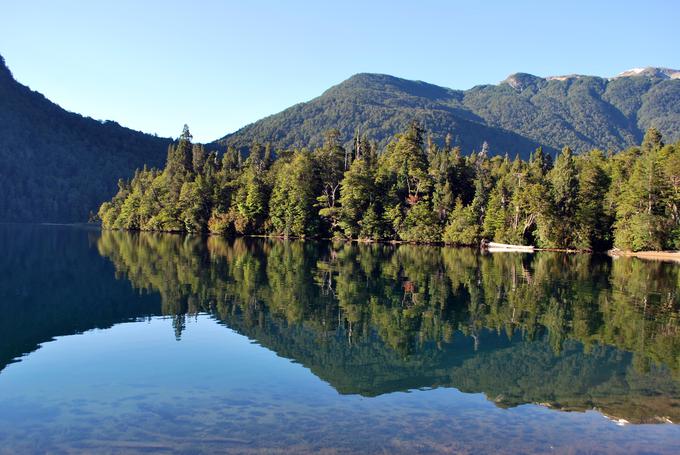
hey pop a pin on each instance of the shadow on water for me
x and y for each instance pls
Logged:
(53, 283)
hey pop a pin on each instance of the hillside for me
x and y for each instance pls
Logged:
(583, 112)
(379, 106)
(56, 166)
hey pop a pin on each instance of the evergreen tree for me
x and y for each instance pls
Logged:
(652, 140)
(292, 201)
(357, 197)
(198, 158)
(593, 222)
(330, 162)
(407, 192)
(641, 223)
(560, 222)
(462, 228)
(250, 201)
(421, 224)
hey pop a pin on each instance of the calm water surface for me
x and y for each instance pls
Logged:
(113, 342)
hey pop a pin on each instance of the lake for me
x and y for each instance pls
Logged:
(116, 342)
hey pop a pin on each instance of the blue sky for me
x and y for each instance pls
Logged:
(218, 65)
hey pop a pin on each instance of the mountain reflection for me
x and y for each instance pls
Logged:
(53, 283)
(573, 332)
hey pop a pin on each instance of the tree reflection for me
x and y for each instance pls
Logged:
(372, 318)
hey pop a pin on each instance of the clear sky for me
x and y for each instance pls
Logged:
(218, 65)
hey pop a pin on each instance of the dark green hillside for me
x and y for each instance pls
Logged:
(379, 106)
(57, 166)
(583, 112)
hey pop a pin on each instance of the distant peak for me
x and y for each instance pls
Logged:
(521, 81)
(565, 77)
(4, 71)
(369, 80)
(371, 77)
(651, 71)
(387, 83)
(385, 79)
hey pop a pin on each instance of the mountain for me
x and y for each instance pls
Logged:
(56, 166)
(663, 73)
(515, 115)
(378, 106)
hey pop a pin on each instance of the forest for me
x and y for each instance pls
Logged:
(514, 116)
(56, 165)
(413, 190)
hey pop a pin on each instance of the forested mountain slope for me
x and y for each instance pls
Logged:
(583, 112)
(379, 106)
(57, 166)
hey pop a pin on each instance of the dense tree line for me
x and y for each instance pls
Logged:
(412, 190)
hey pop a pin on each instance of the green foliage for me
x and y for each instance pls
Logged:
(647, 204)
(593, 220)
(330, 163)
(462, 228)
(407, 193)
(561, 219)
(250, 201)
(403, 167)
(372, 225)
(57, 166)
(357, 192)
(193, 200)
(292, 201)
(421, 224)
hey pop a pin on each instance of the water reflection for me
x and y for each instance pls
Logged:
(53, 282)
(572, 332)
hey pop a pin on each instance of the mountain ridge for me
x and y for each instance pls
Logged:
(57, 165)
(654, 71)
(377, 91)
(647, 71)
(521, 112)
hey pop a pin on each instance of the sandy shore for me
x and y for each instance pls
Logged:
(656, 255)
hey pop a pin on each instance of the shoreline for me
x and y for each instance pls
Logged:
(668, 256)
(673, 256)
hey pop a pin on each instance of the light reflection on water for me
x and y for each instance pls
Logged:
(135, 388)
(272, 347)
